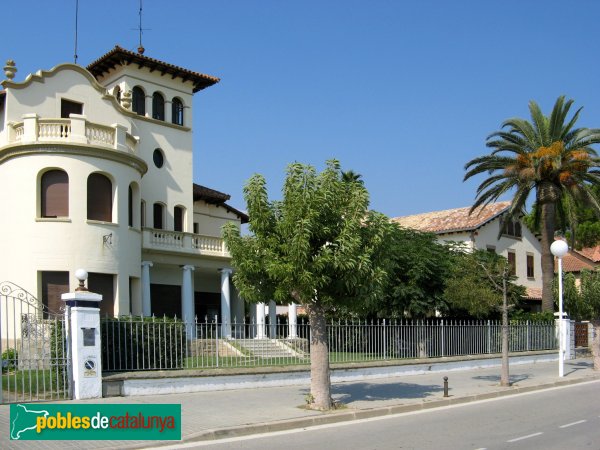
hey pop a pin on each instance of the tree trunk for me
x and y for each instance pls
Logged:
(546, 198)
(320, 384)
(596, 344)
(504, 377)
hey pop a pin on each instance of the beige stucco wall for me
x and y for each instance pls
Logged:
(487, 235)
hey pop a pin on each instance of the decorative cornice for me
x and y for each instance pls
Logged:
(19, 150)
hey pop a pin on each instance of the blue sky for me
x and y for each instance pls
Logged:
(401, 92)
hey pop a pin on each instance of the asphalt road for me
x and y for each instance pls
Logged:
(559, 418)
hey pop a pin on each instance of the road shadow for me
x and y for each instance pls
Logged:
(572, 367)
(511, 378)
(352, 392)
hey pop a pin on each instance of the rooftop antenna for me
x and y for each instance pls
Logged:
(76, 17)
(141, 48)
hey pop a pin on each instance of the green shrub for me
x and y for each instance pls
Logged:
(10, 358)
(142, 343)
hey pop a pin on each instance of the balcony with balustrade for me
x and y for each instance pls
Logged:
(74, 130)
(183, 243)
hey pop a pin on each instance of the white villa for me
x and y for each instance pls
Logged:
(96, 173)
(480, 230)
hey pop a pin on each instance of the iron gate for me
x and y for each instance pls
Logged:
(33, 349)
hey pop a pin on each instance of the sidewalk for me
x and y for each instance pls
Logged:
(218, 414)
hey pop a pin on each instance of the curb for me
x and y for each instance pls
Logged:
(346, 416)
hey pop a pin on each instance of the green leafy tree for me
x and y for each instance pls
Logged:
(548, 157)
(319, 246)
(418, 268)
(480, 283)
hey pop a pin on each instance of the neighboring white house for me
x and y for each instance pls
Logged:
(96, 173)
(480, 230)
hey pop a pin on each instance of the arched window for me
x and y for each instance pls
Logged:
(177, 111)
(158, 106)
(99, 198)
(159, 216)
(138, 101)
(54, 194)
(178, 217)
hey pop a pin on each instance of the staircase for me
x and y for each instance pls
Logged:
(267, 348)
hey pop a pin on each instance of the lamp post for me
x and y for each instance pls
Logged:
(559, 249)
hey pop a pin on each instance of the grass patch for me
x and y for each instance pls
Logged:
(34, 383)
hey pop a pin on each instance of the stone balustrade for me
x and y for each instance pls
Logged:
(76, 130)
(180, 242)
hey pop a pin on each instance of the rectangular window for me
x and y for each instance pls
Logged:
(68, 107)
(512, 262)
(491, 249)
(103, 284)
(54, 284)
(196, 227)
(143, 213)
(530, 270)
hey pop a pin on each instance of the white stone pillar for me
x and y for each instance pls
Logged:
(30, 128)
(292, 321)
(120, 142)
(272, 319)
(187, 301)
(83, 321)
(225, 304)
(260, 321)
(77, 129)
(146, 300)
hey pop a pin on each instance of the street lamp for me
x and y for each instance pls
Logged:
(559, 249)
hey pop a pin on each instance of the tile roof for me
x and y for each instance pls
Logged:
(574, 262)
(452, 220)
(119, 56)
(218, 198)
(591, 253)
(532, 293)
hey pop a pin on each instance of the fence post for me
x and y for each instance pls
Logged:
(443, 339)
(84, 326)
(489, 327)
(216, 333)
(384, 341)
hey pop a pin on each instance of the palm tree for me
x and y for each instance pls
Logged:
(547, 156)
(350, 176)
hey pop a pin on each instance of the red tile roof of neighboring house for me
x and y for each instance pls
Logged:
(591, 253)
(118, 56)
(575, 262)
(532, 293)
(452, 220)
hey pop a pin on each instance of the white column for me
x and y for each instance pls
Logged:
(225, 304)
(260, 321)
(146, 301)
(187, 301)
(292, 321)
(272, 319)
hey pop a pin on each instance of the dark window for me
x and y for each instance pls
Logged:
(158, 106)
(99, 198)
(512, 228)
(68, 107)
(138, 101)
(196, 227)
(177, 111)
(54, 284)
(130, 207)
(491, 249)
(103, 284)
(530, 270)
(178, 218)
(142, 213)
(54, 187)
(158, 158)
(512, 262)
(158, 216)
(166, 300)
(207, 305)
